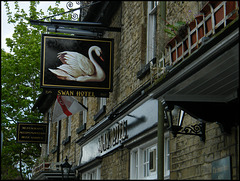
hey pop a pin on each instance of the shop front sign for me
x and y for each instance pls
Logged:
(113, 136)
(130, 125)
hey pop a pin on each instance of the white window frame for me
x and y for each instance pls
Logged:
(85, 111)
(68, 128)
(49, 129)
(137, 158)
(151, 29)
(93, 174)
(139, 167)
(166, 156)
(102, 102)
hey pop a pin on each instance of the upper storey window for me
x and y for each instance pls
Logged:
(151, 29)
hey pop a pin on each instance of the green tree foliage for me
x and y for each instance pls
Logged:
(20, 87)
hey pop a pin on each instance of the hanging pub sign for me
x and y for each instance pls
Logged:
(76, 63)
(32, 132)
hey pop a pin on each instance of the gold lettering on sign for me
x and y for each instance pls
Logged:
(113, 136)
(85, 94)
(75, 93)
(65, 93)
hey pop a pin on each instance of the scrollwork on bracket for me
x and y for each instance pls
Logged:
(197, 130)
(69, 5)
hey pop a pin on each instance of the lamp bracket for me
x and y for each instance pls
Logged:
(197, 130)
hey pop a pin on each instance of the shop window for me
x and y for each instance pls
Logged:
(93, 174)
(166, 156)
(82, 117)
(144, 161)
(151, 29)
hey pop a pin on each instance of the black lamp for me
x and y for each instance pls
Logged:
(174, 113)
(65, 168)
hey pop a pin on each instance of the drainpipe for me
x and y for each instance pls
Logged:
(160, 134)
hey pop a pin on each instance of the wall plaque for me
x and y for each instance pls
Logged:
(221, 169)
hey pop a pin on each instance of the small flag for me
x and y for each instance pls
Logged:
(66, 106)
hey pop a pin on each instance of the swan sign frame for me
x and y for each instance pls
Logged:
(76, 63)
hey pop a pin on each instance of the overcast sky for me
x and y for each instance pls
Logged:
(8, 29)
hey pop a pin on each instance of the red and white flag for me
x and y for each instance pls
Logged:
(66, 106)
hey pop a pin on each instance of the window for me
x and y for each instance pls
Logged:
(68, 130)
(151, 29)
(144, 161)
(55, 136)
(93, 174)
(101, 102)
(166, 156)
(101, 106)
(68, 126)
(82, 117)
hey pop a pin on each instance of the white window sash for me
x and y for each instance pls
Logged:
(151, 30)
(57, 133)
(49, 126)
(166, 156)
(93, 174)
(139, 165)
(84, 112)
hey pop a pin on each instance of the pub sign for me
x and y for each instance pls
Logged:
(76, 63)
(32, 132)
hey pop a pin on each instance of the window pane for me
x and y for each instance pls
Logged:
(136, 164)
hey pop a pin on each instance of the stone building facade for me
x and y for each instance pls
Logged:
(132, 112)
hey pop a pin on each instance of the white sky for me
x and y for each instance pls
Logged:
(8, 29)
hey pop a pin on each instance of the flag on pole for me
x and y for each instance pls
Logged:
(66, 106)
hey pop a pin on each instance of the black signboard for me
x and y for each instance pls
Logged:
(32, 132)
(76, 63)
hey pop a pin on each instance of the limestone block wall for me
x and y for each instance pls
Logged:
(192, 159)
(116, 165)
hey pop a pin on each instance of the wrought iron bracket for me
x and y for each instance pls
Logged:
(197, 130)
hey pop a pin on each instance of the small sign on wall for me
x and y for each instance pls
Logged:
(221, 169)
(32, 132)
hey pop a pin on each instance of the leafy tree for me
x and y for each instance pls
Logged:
(20, 87)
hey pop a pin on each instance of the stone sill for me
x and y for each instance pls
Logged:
(146, 69)
(67, 140)
(81, 128)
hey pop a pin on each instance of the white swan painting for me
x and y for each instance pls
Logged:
(77, 67)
